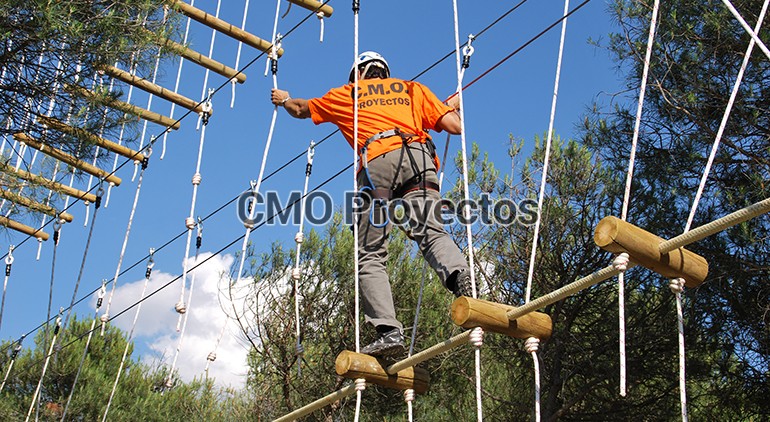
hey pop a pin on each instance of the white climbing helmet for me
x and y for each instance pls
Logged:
(369, 59)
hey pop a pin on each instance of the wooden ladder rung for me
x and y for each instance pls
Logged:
(152, 88)
(125, 107)
(468, 312)
(224, 27)
(201, 60)
(34, 205)
(354, 365)
(314, 6)
(47, 183)
(90, 137)
(23, 228)
(67, 158)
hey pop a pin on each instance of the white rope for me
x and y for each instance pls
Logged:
(96, 155)
(45, 367)
(276, 45)
(531, 346)
(132, 70)
(238, 55)
(677, 285)
(211, 54)
(746, 26)
(356, 278)
(148, 273)
(540, 199)
(299, 238)
(8, 263)
(627, 193)
(176, 85)
(466, 209)
(186, 313)
(99, 299)
(212, 356)
(106, 316)
(320, 15)
(14, 354)
(190, 220)
(149, 106)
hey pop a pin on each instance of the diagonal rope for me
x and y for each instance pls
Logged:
(45, 368)
(176, 84)
(8, 264)
(148, 273)
(238, 54)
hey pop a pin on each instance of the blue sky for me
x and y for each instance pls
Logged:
(514, 99)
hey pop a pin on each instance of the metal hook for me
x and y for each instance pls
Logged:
(9, 259)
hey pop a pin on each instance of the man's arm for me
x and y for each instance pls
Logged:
(296, 107)
(450, 122)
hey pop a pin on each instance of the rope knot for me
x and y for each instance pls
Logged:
(360, 384)
(196, 179)
(105, 318)
(299, 237)
(532, 344)
(477, 337)
(296, 273)
(189, 222)
(621, 262)
(300, 349)
(676, 285)
(409, 395)
(180, 307)
(211, 357)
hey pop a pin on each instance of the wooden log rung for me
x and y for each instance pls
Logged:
(204, 61)
(468, 312)
(34, 205)
(90, 137)
(152, 88)
(615, 235)
(68, 159)
(224, 27)
(23, 228)
(48, 183)
(314, 6)
(125, 107)
(354, 365)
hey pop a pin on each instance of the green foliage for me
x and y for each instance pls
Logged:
(140, 393)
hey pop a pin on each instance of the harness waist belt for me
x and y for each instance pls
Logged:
(410, 186)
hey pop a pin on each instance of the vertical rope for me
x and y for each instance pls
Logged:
(627, 194)
(147, 274)
(106, 316)
(360, 383)
(466, 210)
(178, 79)
(56, 231)
(532, 342)
(132, 70)
(190, 220)
(8, 263)
(299, 238)
(212, 356)
(45, 368)
(198, 243)
(238, 55)
(99, 299)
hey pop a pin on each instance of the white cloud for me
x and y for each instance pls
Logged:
(156, 326)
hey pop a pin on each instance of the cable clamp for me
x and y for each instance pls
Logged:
(468, 51)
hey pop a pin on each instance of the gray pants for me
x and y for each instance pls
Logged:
(423, 207)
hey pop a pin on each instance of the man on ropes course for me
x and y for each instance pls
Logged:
(398, 164)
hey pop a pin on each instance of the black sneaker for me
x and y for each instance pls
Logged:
(388, 344)
(463, 284)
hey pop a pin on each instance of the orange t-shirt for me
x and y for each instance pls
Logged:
(383, 104)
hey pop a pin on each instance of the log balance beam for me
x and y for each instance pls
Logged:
(125, 107)
(562, 293)
(615, 235)
(91, 138)
(47, 183)
(314, 6)
(468, 312)
(152, 88)
(354, 365)
(34, 205)
(23, 228)
(67, 158)
(224, 27)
